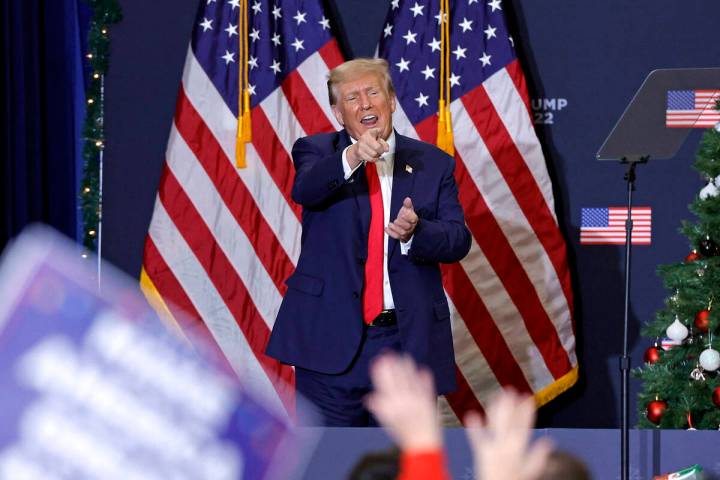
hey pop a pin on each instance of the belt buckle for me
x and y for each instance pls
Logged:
(383, 319)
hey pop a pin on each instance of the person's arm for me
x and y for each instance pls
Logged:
(501, 443)
(444, 238)
(423, 465)
(405, 403)
(317, 174)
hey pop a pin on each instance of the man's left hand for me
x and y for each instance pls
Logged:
(404, 225)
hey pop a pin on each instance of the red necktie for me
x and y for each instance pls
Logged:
(373, 293)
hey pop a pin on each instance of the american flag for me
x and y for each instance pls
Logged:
(223, 240)
(692, 108)
(510, 298)
(606, 226)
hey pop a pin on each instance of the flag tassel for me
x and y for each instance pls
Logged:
(444, 130)
(244, 127)
(445, 139)
(244, 132)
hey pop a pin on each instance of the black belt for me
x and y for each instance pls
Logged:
(386, 318)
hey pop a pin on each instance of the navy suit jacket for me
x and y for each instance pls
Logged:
(319, 326)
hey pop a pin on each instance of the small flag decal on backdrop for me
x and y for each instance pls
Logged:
(692, 108)
(606, 226)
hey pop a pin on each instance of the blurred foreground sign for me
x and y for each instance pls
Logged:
(93, 386)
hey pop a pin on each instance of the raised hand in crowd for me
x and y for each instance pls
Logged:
(405, 403)
(501, 443)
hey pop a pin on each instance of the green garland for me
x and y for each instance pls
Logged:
(675, 377)
(105, 13)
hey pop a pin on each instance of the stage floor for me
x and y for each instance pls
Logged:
(652, 452)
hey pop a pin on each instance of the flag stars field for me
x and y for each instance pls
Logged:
(206, 24)
(410, 37)
(228, 57)
(231, 30)
(459, 52)
(494, 5)
(403, 64)
(298, 44)
(417, 9)
(490, 32)
(454, 80)
(275, 67)
(428, 72)
(465, 25)
(422, 100)
(300, 17)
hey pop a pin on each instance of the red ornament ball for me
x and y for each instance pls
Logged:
(694, 255)
(716, 396)
(702, 320)
(655, 410)
(652, 355)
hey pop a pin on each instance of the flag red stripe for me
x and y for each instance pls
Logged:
(170, 289)
(228, 284)
(516, 74)
(509, 269)
(463, 400)
(499, 253)
(482, 327)
(331, 54)
(521, 182)
(302, 102)
(177, 301)
(234, 193)
(273, 154)
(468, 303)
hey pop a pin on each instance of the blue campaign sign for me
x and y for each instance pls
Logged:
(93, 386)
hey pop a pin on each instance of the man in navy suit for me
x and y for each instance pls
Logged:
(380, 212)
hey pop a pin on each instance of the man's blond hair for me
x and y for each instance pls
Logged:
(355, 68)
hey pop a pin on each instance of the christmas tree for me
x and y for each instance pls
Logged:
(681, 381)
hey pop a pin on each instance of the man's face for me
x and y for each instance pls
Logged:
(364, 103)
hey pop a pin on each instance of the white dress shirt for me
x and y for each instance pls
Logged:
(385, 172)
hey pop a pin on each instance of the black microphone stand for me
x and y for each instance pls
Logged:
(631, 162)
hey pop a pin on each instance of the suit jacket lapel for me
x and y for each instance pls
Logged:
(403, 180)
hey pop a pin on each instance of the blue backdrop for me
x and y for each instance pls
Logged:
(584, 61)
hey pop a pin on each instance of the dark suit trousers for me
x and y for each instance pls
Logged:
(339, 398)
